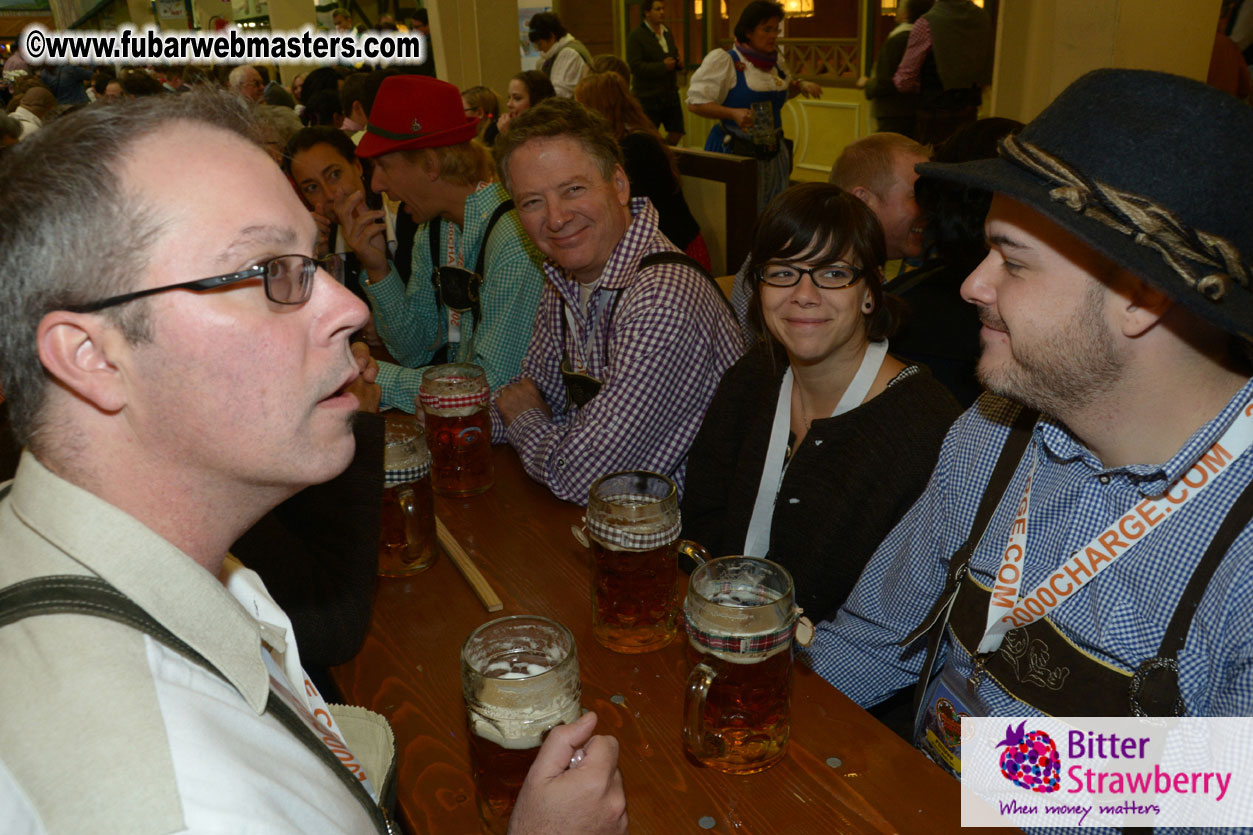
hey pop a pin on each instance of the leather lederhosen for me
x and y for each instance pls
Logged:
(1037, 664)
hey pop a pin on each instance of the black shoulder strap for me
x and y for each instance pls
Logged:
(685, 260)
(501, 210)
(937, 619)
(61, 594)
(432, 229)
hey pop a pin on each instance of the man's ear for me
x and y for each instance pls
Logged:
(1140, 305)
(81, 351)
(864, 194)
(622, 185)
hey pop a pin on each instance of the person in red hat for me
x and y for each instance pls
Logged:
(476, 277)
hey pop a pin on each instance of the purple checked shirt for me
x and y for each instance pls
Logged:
(659, 340)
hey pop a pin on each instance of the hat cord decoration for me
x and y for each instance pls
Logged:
(1140, 219)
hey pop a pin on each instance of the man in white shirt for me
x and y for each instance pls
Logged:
(563, 58)
(177, 367)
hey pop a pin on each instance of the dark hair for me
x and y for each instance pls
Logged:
(915, 9)
(545, 25)
(138, 83)
(100, 79)
(755, 14)
(323, 78)
(560, 117)
(320, 109)
(65, 207)
(421, 16)
(306, 138)
(538, 86)
(818, 221)
(956, 212)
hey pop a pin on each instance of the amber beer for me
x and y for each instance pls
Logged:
(461, 452)
(740, 616)
(635, 597)
(407, 512)
(407, 528)
(633, 532)
(520, 678)
(745, 717)
(454, 399)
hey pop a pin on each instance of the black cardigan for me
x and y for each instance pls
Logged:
(648, 169)
(849, 483)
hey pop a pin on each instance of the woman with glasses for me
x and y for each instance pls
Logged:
(818, 440)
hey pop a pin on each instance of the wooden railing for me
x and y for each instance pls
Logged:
(821, 59)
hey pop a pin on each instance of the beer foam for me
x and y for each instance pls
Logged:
(523, 728)
(458, 412)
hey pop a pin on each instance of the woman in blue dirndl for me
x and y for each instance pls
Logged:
(730, 81)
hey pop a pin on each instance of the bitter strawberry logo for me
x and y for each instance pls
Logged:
(1030, 760)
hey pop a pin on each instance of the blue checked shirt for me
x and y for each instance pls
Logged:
(413, 327)
(659, 340)
(1119, 617)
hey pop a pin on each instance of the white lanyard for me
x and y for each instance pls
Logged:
(757, 543)
(1007, 611)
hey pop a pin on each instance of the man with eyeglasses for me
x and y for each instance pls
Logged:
(246, 81)
(176, 365)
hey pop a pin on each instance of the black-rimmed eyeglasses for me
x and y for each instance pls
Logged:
(826, 277)
(288, 280)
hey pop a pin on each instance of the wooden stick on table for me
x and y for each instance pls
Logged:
(467, 567)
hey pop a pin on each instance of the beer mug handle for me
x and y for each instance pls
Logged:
(692, 550)
(698, 682)
(409, 510)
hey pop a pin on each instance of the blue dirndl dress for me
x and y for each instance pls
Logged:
(772, 174)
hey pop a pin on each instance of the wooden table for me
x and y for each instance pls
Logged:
(844, 771)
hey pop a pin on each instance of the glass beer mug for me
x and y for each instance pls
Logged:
(454, 398)
(407, 517)
(520, 678)
(740, 619)
(633, 525)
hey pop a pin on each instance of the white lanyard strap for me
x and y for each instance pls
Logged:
(757, 543)
(1006, 610)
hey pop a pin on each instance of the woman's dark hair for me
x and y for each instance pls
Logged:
(307, 138)
(538, 86)
(956, 212)
(545, 25)
(820, 222)
(755, 14)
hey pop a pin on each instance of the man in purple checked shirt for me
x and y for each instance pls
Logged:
(630, 338)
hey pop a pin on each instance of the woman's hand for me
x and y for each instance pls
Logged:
(743, 117)
(808, 88)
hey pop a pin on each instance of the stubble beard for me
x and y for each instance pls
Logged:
(1063, 372)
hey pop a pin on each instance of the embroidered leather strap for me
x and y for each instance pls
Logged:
(1039, 666)
(75, 594)
(1017, 442)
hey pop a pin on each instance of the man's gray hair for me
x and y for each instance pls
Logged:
(71, 232)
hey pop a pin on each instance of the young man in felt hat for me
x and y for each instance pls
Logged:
(631, 338)
(1116, 304)
(476, 276)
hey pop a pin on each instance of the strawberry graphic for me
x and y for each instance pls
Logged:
(1030, 760)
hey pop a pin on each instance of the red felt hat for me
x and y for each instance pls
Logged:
(415, 111)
